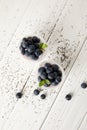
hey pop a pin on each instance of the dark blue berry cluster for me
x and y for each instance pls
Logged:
(51, 73)
(30, 47)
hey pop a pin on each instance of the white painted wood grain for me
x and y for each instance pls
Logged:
(14, 69)
(83, 125)
(11, 13)
(31, 111)
(68, 115)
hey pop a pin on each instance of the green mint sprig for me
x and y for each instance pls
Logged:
(43, 82)
(42, 46)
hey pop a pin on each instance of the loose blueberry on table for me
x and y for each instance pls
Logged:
(19, 95)
(68, 97)
(43, 96)
(36, 92)
(32, 47)
(49, 74)
(84, 85)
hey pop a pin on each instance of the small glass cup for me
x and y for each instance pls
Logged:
(41, 57)
(51, 62)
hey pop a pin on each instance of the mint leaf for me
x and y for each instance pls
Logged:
(43, 82)
(47, 81)
(40, 45)
(43, 46)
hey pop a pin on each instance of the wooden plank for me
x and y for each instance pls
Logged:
(30, 112)
(14, 69)
(11, 13)
(83, 125)
(69, 115)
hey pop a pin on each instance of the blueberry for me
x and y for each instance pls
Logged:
(31, 48)
(55, 67)
(47, 65)
(43, 96)
(58, 79)
(19, 95)
(34, 57)
(59, 73)
(27, 53)
(51, 75)
(49, 69)
(29, 40)
(41, 70)
(38, 52)
(54, 83)
(36, 45)
(39, 78)
(35, 39)
(55, 74)
(22, 50)
(84, 85)
(43, 75)
(25, 39)
(51, 80)
(36, 92)
(24, 43)
(68, 97)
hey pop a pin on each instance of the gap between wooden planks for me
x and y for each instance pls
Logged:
(14, 69)
(11, 14)
(30, 112)
(83, 123)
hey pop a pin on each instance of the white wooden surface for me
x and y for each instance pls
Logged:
(11, 13)
(63, 24)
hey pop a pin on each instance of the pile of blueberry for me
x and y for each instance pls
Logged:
(30, 47)
(50, 72)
